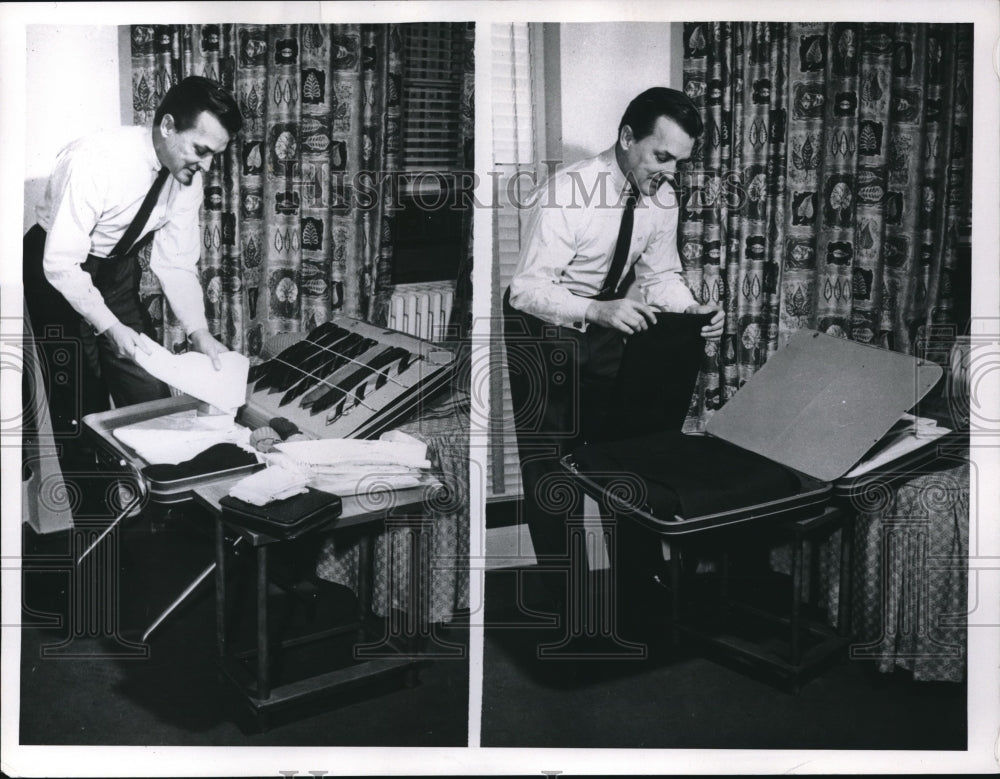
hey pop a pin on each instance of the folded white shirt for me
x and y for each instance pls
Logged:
(193, 374)
(177, 437)
(347, 485)
(346, 451)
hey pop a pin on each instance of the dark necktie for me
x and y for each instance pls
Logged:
(609, 291)
(124, 246)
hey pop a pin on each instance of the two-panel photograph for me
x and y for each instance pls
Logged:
(500, 388)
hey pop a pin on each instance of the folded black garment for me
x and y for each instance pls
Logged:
(219, 457)
(656, 377)
(284, 519)
(671, 474)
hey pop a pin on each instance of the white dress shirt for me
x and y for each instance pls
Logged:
(573, 229)
(93, 194)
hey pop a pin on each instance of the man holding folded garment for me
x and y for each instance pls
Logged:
(598, 265)
(108, 194)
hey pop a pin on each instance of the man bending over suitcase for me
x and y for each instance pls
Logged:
(107, 194)
(600, 259)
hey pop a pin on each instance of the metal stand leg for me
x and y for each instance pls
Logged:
(117, 520)
(220, 591)
(184, 595)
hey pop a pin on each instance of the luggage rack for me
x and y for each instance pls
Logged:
(370, 401)
(814, 380)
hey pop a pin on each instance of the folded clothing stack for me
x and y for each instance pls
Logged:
(275, 482)
(178, 437)
(673, 475)
(215, 459)
(358, 467)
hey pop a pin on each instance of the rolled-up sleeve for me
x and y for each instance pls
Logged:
(174, 259)
(75, 190)
(658, 270)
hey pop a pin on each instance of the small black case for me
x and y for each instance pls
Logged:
(283, 519)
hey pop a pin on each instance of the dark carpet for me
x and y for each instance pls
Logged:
(87, 678)
(677, 698)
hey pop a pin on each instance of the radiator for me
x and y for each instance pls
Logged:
(422, 310)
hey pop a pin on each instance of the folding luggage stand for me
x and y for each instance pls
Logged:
(816, 407)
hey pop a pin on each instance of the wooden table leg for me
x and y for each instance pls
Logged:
(675, 593)
(796, 649)
(844, 595)
(366, 582)
(263, 653)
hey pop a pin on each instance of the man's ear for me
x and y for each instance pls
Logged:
(625, 137)
(167, 126)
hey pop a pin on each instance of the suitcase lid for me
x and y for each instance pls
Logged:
(818, 404)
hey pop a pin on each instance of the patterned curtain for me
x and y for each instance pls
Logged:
(297, 217)
(460, 323)
(830, 188)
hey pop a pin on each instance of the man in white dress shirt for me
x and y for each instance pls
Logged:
(583, 282)
(107, 194)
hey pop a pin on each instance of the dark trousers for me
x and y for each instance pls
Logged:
(563, 387)
(570, 388)
(80, 369)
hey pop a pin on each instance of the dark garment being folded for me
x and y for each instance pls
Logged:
(656, 378)
(672, 474)
(220, 457)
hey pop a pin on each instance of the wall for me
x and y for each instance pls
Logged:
(74, 86)
(602, 67)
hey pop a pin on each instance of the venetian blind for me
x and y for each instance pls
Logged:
(432, 90)
(513, 152)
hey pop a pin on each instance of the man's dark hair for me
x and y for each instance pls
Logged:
(646, 108)
(187, 99)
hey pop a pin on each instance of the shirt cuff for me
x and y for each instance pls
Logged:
(576, 313)
(195, 325)
(102, 320)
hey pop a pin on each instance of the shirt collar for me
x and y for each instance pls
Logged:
(149, 153)
(619, 183)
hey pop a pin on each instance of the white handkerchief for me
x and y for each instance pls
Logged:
(192, 373)
(272, 483)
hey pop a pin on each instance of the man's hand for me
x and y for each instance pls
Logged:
(204, 342)
(713, 329)
(125, 340)
(628, 316)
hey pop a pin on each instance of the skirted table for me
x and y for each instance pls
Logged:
(444, 553)
(443, 425)
(909, 573)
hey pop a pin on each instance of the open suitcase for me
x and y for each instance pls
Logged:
(376, 396)
(815, 408)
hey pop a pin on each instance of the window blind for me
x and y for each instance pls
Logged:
(432, 90)
(514, 147)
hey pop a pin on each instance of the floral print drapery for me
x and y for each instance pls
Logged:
(297, 220)
(830, 188)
